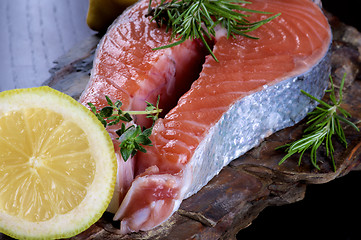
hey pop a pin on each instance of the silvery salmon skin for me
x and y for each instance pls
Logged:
(214, 112)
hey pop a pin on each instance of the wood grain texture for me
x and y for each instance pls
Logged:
(34, 33)
(234, 198)
(249, 184)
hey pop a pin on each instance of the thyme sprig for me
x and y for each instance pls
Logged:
(197, 19)
(325, 123)
(133, 138)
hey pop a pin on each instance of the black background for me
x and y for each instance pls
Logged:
(349, 11)
(329, 211)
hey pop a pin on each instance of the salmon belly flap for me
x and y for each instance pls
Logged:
(213, 111)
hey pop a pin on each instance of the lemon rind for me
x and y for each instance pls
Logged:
(95, 202)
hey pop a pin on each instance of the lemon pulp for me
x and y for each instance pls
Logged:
(43, 160)
(57, 165)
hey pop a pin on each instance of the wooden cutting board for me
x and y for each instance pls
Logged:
(235, 197)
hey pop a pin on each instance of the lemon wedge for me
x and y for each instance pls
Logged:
(57, 165)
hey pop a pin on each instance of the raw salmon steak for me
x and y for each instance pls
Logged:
(213, 111)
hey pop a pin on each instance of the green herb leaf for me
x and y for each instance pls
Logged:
(325, 122)
(132, 137)
(126, 150)
(133, 140)
(110, 103)
(106, 112)
(196, 19)
(92, 107)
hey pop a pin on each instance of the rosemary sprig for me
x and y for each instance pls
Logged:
(325, 122)
(132, 138)
(196, 19)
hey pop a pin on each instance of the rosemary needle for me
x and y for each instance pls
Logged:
(197, 19)
(325, 122)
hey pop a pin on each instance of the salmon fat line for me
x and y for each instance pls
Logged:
(189, 19)
(324, 124)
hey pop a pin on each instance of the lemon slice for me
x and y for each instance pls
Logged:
(57, 165)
